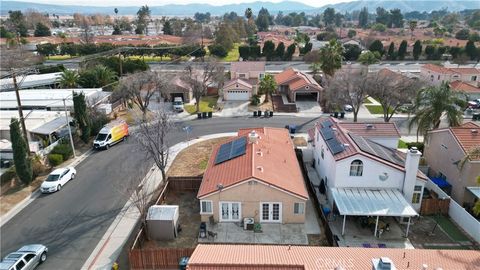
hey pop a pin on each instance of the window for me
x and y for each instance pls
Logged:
(242, 75)
(298, 208)
(417, 194)
(28, 257)
(20, 265)
(438, 78)
(206, 207)
(261, 75)
(356, 168)
(474, 78)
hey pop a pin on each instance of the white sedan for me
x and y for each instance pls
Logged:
(57, 179)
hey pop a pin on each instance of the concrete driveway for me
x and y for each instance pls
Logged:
(234, 108)
(308, 107)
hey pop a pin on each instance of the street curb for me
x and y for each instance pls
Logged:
(36, 193)
(103, 253)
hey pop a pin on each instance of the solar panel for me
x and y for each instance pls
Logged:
(327, 133)
(327, 123)
(335, 146)
(231, 150)
(378, 150)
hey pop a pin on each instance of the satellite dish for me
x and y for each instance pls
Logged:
(383, 176)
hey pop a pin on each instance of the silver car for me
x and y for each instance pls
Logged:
(26, 258)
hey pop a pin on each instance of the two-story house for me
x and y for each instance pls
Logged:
(436, 75)
(244, 79)
(297, 85)
(445, 149)
(363, 173)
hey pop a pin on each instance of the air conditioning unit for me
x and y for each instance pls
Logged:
(248, 223)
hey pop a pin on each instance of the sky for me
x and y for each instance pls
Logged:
(315, 3)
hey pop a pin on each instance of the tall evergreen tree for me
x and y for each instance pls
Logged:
(377, 46)
(471, 50)
(290, 51)
(268, 49)
(23, 164)
(280, 51)
(402, 50)
(167, 28)
(391, 52)
(80, 109)
(363, 18)
(41, 30)
(417, 49)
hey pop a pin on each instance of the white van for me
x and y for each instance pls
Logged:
(178, 104)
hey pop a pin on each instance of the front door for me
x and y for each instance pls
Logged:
(230, 211)
(270, 212)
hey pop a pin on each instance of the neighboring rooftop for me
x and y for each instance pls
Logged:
(30, 81)
(253, 257)
(451, 70)
(247, 66)
(464, 87)
(296, 79)
(33, 119)
(270, 159)
(372, 129)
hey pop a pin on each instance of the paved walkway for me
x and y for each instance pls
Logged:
(111, 244)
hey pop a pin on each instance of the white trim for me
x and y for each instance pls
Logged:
(280, 212)
(229, 205)
(258, 180)
(211, 207)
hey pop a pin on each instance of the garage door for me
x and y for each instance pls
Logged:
(237, 95)
(306, 96)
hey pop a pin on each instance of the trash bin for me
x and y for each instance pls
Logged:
(203, 230)
(266, 114)
(342, 115)
(293, 129)
(199, 115)
(254, 113)
(259, 113)
(182, 264)
(204, 114)
(335, 114)
(210, 114)
(476, 117)
(271, 113)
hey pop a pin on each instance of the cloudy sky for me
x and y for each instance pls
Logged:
(315, 3)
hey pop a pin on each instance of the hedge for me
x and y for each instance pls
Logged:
(55, 159)
(63, 149)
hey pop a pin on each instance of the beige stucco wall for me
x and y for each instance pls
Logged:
(438, 78)
(253, 74)
(442, 159)
(250, 197)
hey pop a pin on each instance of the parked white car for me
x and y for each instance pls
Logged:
(26, 258)
(57, 179)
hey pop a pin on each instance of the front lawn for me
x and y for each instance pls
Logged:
(450, 228)
(207, 104)
(233, 54)
(376, 109)
(402, 144)
(59, 57)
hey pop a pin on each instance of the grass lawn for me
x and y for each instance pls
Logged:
(375, 109)
(59, 57)
(151, 58)
(367, 101)
(233, 54)
(206, 105)
(450, 228)
(402, 144)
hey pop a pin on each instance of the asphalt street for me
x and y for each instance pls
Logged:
(71, 222)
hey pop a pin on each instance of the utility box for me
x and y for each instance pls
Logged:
(162, 222)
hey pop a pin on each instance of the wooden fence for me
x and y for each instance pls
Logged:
(184, 183)
(434, 205)
(158, 258)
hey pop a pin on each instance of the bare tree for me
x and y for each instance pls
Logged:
(141, 87)
(84, 22)
(392, 90)
(153, 138)
(348, 87)
(199, 79)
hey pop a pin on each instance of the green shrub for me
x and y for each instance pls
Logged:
(8, 175)
(255, 100)
(55, 159)
(97, 121)
(419, 145)
(38, 168)
(64, 149)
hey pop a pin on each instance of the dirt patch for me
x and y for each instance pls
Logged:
(317, 240)
(189, 220)
(17, 193)
(266, 106)
(299, 141)
(192, 161)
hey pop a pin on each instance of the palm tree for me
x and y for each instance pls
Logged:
(432, 103)
(412, 25)
(68, 79)
(267, 86)
(248, 13)
(104, 75)
(368, 58)
(331, 57)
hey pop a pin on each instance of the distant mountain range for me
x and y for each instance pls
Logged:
(273, 8)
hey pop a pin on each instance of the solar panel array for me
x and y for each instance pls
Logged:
(329, 136)
(378, 150)
(231, 150)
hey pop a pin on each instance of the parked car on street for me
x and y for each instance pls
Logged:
(57, 179)
(178, 104)
(26, 258)
(111, 134)
(347, 108)
(473, 104)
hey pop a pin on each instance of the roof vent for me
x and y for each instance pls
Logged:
(383, 263)
(260, 153)
(346, 145)
(260, 168)
(414, 149)
(252, 136)
(370, 126)
(474, 131)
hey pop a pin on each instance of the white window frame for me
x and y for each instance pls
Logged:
(357, 171)
(417, 194)
(211, 207)
(229, 220)
(302, 208)
(280, 212)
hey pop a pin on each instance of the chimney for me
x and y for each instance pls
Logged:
(383, 263)
(411, 169)
(252, 137)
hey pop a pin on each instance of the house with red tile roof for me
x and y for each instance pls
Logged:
(254, 175)
(268, 257)
(444, 150)
(363, 173)
(297, 85)
(471, 90)
(435, 74)
(244, 78)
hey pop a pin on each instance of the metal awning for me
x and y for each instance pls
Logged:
(371, 202)
(52, 126)
(475, 191)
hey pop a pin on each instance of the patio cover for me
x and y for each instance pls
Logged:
(52, 126)
(371, 202)
(475, 191)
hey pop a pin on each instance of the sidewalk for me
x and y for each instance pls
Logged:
(110, 246)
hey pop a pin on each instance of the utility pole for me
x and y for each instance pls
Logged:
(69, 129)
(20, 111)
(120, 64)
